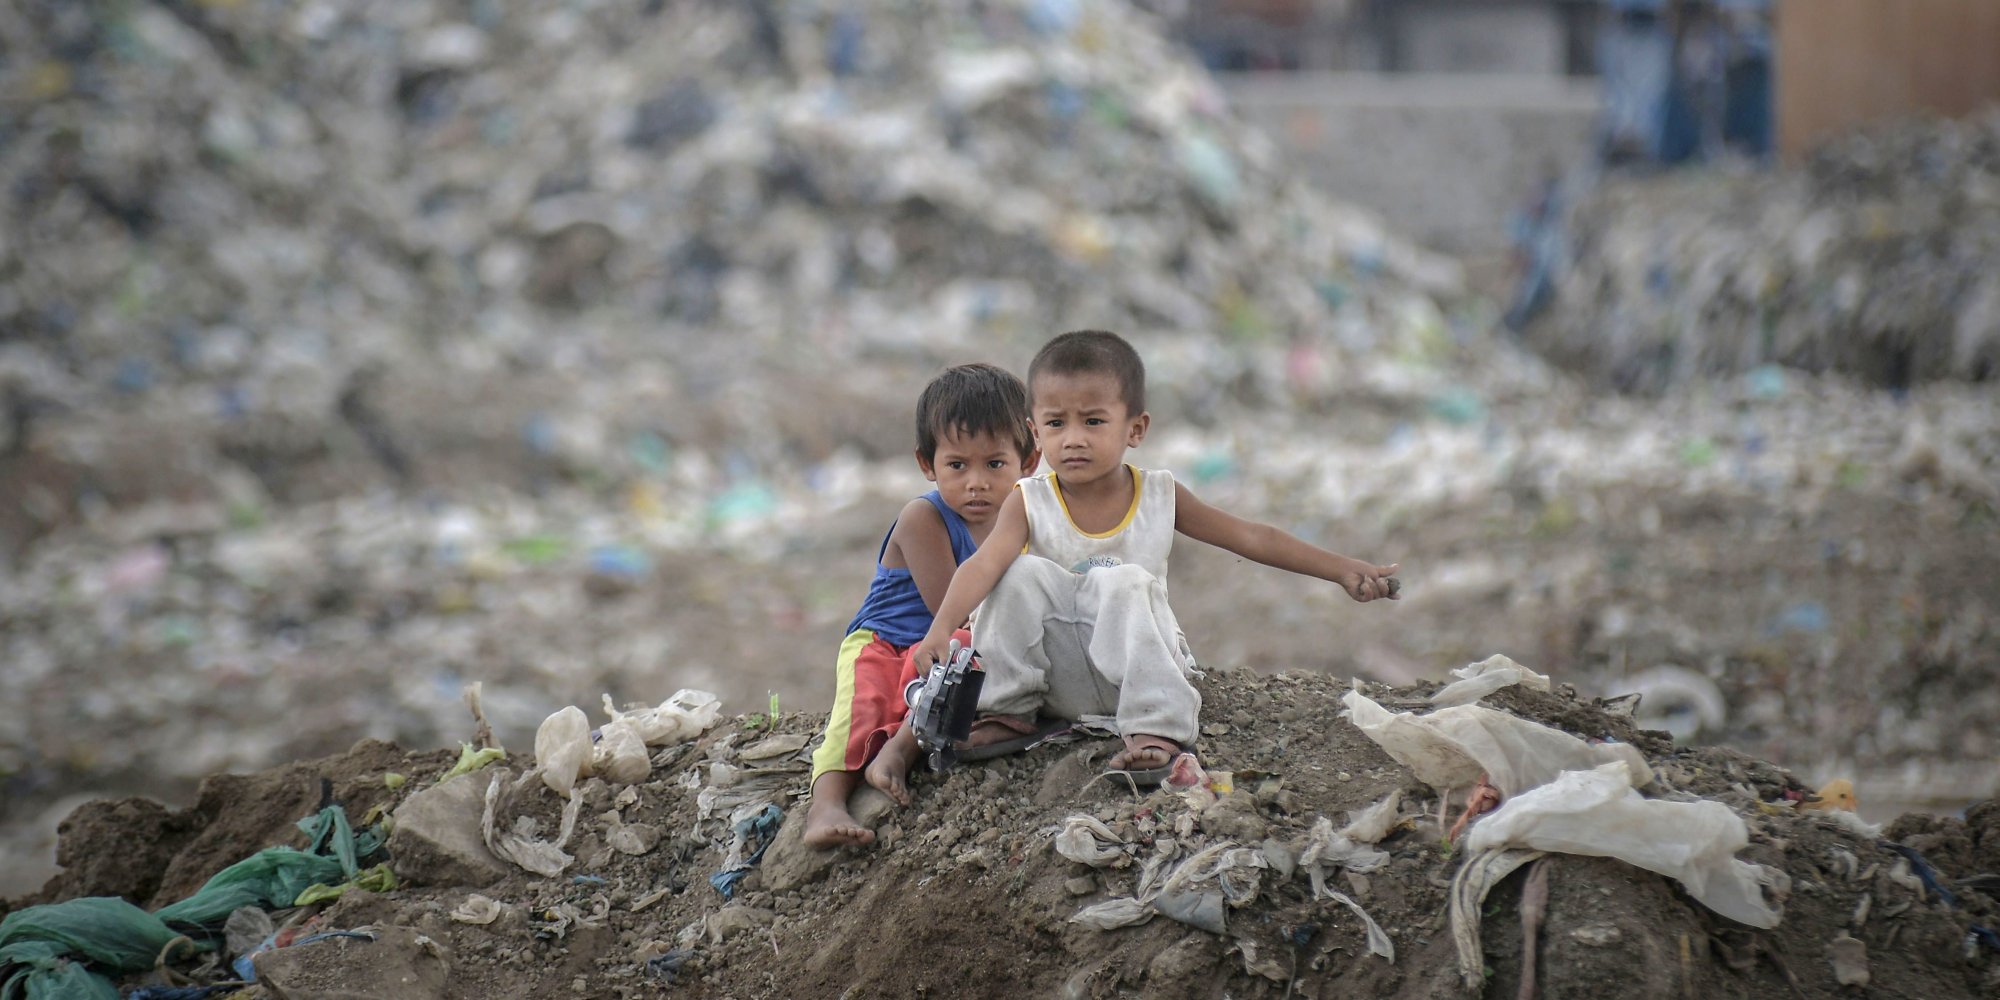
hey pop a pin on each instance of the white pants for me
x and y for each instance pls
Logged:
(1068, 645)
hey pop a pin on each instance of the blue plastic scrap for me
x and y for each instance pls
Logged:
(762, 827)
(246, 970)
(1926, 873)
(1986, 936)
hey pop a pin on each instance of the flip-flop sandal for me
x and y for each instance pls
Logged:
(1045, 730)
(1151, 777)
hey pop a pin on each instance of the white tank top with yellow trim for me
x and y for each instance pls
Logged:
(1145, 536)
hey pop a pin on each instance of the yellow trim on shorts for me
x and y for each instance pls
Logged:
(832, 752)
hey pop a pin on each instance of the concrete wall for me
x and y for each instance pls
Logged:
(1444, 158)
(1484, 39)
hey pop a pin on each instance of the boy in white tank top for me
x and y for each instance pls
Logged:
(1073, 577)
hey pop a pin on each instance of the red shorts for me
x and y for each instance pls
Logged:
(868, 705)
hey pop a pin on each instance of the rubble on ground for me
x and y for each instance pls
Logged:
(1074, 883)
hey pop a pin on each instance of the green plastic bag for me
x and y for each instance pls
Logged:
(41, 947)
(61, 951)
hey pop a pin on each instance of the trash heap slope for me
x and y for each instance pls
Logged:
(239, 232)
(971, 891)
(1875, 257)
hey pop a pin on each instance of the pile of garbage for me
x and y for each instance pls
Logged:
(226, 638)
(1874, 257)
(322, 243)
(1386, 849)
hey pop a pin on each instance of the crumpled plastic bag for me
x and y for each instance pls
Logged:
(1481, 871)
(1236, 871)
(1326, 849)
(1451, 747)
(620, 755)
(1370, 825)
(1197, 892)
(1085, 840)
(563, 750)
(1114, 913)
(682, 717)
(477, 910)
(1477, 680)
(519, 844)
(1596, 813)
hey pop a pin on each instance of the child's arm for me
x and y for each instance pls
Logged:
(975, 579)
(1275, 547)
(921, 543)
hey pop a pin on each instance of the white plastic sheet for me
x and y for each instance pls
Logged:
(620, 755)
(1085, 840)
(562, 749)
(1370, 825)
(682, 717)
(1327, 848)
(520, 844)
(1596, 813)
(1451, 747)
(1477, 680)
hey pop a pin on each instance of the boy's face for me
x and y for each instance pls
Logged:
(1081, 425)
(973, 472)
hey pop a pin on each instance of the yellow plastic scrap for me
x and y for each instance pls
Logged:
(376, 879)
(1835, 794)
(393, 781)
(471, 759)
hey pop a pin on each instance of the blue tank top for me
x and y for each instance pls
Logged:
(894, 609)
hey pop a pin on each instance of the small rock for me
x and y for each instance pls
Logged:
(437, 839)
(730, 921)
(1181, 962)
(1082, 885)
(1216, 729)
(1235, 816)
(869, 805)
(1064, 778)
(632, 838)
(1596, 935)
(400, 964)
(1850, 960)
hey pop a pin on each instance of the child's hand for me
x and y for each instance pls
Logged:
(1366, 582)
(929, 651)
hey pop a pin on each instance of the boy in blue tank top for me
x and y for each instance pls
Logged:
(973, 441)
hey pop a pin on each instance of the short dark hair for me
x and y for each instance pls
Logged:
(974, 399)
(1085, 352)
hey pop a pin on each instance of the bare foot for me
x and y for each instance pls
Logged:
(891, 765)
(1144, 753)
(828, 823)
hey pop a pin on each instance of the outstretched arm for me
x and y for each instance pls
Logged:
(975, 579)
(1278, 548)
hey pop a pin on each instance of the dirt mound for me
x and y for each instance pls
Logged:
(968, 879)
